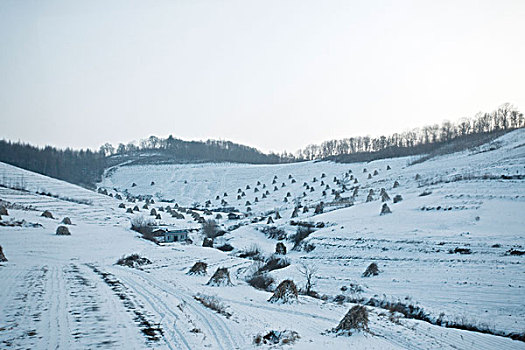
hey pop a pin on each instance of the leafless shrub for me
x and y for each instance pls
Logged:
(213, 303)
(142, 225)
(210, 228)
(253, 252)
(133, 261)
(276, 338)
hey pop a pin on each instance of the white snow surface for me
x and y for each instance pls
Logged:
(65, 292)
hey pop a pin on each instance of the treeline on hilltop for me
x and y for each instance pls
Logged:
(85, 167)
(416, 141)
(174, 149)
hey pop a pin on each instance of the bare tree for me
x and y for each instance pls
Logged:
(210, 228)
(309, 272)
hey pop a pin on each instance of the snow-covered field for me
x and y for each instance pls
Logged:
(67, 292)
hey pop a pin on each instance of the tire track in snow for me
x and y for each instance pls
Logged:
(225, 337)
(162, 310)
(205, 315)
(134, 308)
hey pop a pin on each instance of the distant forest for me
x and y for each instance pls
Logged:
(85, 167)
(420, 140)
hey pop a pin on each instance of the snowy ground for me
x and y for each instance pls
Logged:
(67, 292)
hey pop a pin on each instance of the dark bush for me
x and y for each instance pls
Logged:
(301, 233)
(425, 193)
(133, 260)
(207, 242)
(274, 233)
(261, 281)
(460, 251)
(254, 253)
(225, 247)
(274, 263)
(398, 198)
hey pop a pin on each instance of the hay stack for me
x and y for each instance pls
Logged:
(280, 248)
(285, 293)
(66, 221)
(47, 214)
(122, 206)
(371, 270)
(3, 210)
(220, 278)
(385, 209)
(2, 256)
(398, 198)
(199, 268)
(129, 210)
(63, 231)
(355, 319)
(396, 184)
(384, 196)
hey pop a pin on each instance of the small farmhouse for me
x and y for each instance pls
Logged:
(166, 235)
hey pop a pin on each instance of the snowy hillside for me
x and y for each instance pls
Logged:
(449, 255)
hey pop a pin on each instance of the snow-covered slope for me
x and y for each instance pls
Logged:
(66, 292)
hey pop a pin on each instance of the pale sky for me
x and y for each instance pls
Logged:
(276, 75)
